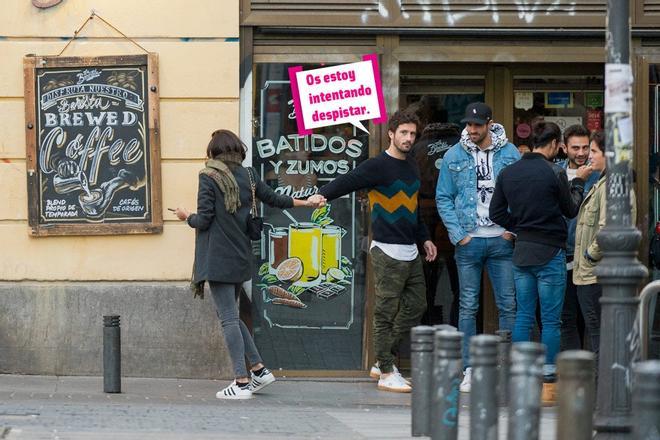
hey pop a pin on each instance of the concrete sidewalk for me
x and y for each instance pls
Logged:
(48, 407)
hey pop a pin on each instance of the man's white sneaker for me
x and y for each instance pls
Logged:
(234, 392)
(262, 380)
(375, 373)
(395, 383)
(466, 385)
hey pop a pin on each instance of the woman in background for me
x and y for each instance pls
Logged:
(590, 220)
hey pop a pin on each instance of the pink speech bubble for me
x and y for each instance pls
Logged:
(346, 93)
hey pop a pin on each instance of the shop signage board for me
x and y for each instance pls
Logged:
(308, 281)
(93, 159)
(559, 100)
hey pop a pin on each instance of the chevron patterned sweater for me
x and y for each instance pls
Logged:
(393, 185)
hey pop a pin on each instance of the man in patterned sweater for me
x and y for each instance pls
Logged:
(392, 179)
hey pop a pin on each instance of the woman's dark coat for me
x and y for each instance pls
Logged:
(223, 251)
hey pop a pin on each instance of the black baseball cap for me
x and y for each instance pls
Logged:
(478, 113)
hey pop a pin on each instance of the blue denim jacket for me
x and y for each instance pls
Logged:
(571, 223)
(456, 191)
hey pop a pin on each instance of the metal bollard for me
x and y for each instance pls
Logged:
(447, 375)
(111, 354)
(503, 366)
(421, 358)
(525, 390)
(577, 394)
(646, 400)
(484, 410)
(447, 327)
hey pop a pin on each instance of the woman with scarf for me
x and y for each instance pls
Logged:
(223, 252)
(590, 220)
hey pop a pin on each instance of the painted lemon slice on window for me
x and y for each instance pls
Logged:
(290, 270)
(334, 275)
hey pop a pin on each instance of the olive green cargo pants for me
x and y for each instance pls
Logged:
(400, 303)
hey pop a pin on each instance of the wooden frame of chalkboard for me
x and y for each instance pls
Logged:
(93, 145)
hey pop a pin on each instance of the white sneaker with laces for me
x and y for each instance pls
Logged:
(395, 383)
(261, 381)
(375, 372)
(466, 385)
(234, 392)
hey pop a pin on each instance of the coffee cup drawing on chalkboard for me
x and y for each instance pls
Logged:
(69, 178)
(95, 202)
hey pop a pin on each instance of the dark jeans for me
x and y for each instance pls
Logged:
(237, 336)
(589, 298)
(572, 322)
(400, 303)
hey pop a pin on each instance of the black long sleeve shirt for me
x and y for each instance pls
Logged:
(531, 199)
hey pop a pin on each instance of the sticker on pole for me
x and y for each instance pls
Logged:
(347, 93)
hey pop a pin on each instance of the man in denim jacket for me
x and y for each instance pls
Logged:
(465, 186)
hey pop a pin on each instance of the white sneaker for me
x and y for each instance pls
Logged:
(233, 392)
(466, 385)
(261, 381)
(395, 383)
(375, 372)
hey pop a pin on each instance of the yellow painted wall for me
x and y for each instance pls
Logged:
(198, 49)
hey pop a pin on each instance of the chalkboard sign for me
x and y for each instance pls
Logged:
(93, 163)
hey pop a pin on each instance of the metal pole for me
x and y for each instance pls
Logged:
(447, 374)
(577, 395)
(111, 354)
(646, 401)
(484, 410)
(503, 365)
(527, 360)
(421, 357)
(619, 272)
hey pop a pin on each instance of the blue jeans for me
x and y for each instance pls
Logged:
(496, 254)
(546, 283)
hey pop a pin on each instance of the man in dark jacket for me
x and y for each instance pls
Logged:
(531, 199)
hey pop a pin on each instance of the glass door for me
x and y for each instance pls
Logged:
(438, 94)
(309, 279)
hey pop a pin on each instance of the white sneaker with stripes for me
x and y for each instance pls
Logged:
(234, 392)
(262, 380)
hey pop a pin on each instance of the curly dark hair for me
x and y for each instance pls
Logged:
(402, 117)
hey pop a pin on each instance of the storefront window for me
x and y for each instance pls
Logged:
(309, 281)
(565, 100)
(654, 168)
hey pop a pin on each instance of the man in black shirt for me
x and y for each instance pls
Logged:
(531, 199)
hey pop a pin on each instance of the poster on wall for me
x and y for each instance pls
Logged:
(92, 145)
(309, 277)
